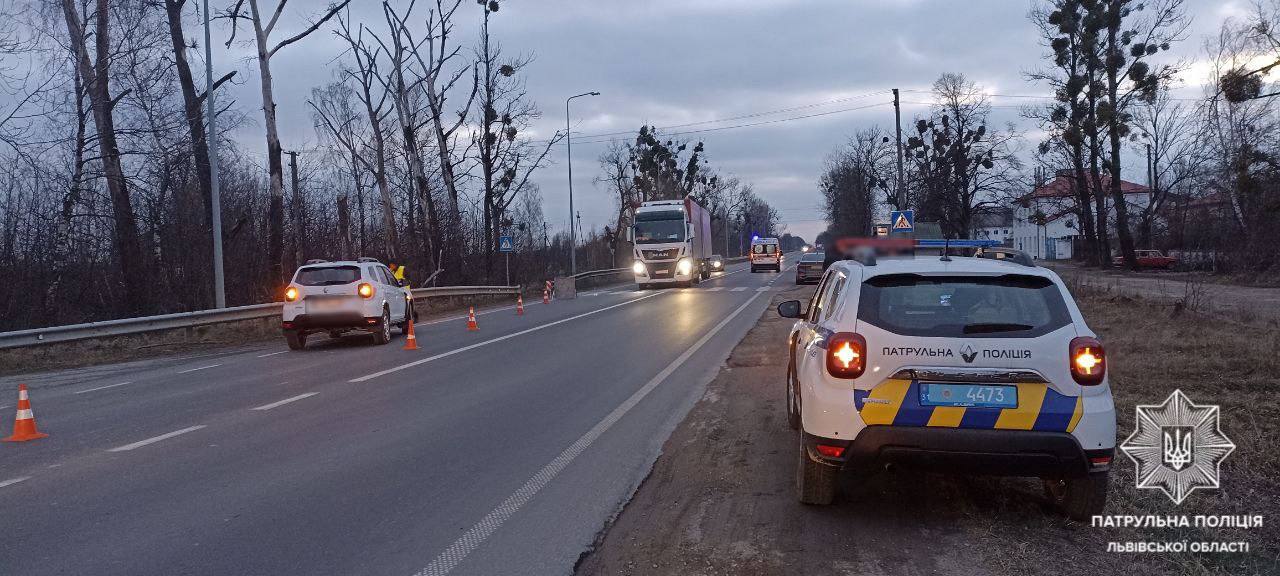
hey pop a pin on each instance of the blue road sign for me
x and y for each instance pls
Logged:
(505, 244)
(902, 221)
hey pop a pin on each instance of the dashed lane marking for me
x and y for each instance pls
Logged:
(498, 339)
(473, 538)
(12, 481)
(739, 289)
(272, 354)
(285, 401)
(155, 439)
(762, 289)
(103, 387)
(200, 368)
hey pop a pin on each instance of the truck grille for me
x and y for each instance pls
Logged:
(660, 254)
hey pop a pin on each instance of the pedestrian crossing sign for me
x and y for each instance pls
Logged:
(505, 244)
(902, 221)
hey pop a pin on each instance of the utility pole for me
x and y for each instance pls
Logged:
(211, 136)
(568, 144)
(297, 209)
(897, 119)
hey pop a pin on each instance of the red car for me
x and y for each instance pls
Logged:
(1152, 259)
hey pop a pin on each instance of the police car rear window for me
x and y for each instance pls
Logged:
(1011, 306)
(328, 275)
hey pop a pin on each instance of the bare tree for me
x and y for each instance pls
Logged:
(262, 30)
(96, 75)
(1169, 134)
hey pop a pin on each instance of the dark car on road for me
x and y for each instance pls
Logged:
(810, 267)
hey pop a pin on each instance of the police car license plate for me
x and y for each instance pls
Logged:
(968, 395)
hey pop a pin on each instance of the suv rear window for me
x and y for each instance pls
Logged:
(813, 257)
(1011, 306)
(327, 276)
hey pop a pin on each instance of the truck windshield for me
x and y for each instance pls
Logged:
(660, 227)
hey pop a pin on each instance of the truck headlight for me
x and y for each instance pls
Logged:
(638, 267)
(684, 267)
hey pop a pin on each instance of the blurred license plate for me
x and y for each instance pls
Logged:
(971, 395)
(323, 305)
(660, 272)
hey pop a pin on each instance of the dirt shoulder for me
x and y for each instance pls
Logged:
(720, 499)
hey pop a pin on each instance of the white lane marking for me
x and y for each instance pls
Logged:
(102, 387)
(763, 288)
(200, 368)
(142, 443)
(13, 481)
(498, 339)
(473, 538)
(272, 354)
(715, 289)
(739, 289)
(285, 401)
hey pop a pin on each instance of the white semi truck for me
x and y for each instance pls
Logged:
(672, 242)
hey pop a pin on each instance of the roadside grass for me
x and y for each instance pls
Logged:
(1154, 350)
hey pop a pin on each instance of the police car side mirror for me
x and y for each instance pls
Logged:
(789, 309)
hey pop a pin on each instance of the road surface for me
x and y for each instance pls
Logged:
(500, 451)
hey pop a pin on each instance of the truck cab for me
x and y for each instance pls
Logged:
(672, 242)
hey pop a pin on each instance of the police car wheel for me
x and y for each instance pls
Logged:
(404, 324)
(815, 481)
(1078, 498)
(793, 400)
(296, 340)
(382, 332)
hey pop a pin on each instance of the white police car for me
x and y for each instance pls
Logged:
(339, 297)
(960, 364)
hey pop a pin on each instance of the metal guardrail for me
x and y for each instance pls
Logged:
(126, 326)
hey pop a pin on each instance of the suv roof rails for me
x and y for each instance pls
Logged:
(366, 259)
(316, 261)
(1002, 253)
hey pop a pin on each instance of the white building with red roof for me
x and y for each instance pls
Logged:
(1046, 221)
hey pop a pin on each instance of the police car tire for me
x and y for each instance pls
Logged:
(383, 333)
(295, 340)
(793, 407)
(815, 481)
(1079, 498)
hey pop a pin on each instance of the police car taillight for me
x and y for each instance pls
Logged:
(1088, 361)
(846, 355)
(365, 289)
(290, 294)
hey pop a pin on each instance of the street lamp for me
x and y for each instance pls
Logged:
(573, 236)
(215, 200)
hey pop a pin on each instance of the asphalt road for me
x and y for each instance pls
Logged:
(501, 451)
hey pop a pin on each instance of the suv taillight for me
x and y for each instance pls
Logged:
(846, 355)
(365, 290)
(1088, 361)
(290, 294)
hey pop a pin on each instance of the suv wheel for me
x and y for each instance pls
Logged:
(793, 400)
(815, 481)
(383, 333)
(295, 339)
(1078, 498)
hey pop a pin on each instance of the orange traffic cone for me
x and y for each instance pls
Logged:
(471, 319)
(410, 341)
(519, 305)
(24, 424)
(546, 296)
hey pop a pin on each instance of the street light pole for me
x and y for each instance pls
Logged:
(211, 138)
(568, 142)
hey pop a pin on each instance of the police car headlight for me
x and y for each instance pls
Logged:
(638, 267)
(685, 266)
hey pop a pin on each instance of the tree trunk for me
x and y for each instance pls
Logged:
(344, 229)
(275, 164)
(128, 245)
(1113, 131)
(191, 104)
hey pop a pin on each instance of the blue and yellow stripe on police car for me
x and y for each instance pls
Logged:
(897, 403)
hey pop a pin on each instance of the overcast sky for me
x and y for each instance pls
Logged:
(669, 62)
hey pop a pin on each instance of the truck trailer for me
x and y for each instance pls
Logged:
(671, 242)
